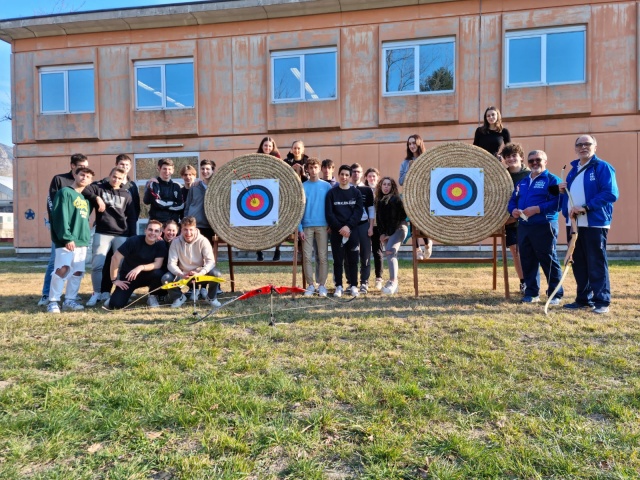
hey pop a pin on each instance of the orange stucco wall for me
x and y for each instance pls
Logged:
(233, 111)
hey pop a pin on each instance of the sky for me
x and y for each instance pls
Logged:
(29, 8)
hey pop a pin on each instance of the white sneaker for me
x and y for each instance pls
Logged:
(214, 302)
(322, 291)
(53, 307)
(353, 290)
(338, 292)
(310, 290)
(378, 284)
(364, 289)
(106, 303)
(105, 296)
(429, 249)
(152, 301)
(71, 304)
(203, 293)
(44, 301)
(420, 254)
(390, 288)
(95, 298)
(179, 301)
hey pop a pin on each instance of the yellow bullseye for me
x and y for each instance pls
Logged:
(255, 202)
(456, 191)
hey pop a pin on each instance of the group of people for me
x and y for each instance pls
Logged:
(358, 214)
(585, 198)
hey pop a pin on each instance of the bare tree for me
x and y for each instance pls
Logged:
(59, 6)
(400, 62)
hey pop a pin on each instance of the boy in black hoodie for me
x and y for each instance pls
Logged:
(343, 209)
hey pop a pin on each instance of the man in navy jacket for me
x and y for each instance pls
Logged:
(593, 187)
(537, 212)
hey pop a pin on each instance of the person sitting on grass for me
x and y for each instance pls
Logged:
(191, 255)
(138, 263)
(313, 228)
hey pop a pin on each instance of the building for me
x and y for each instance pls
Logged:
(353, 79)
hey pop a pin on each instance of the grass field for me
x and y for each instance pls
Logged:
(455, 384)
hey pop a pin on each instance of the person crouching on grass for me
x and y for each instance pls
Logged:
(138, 263)
(190, 255)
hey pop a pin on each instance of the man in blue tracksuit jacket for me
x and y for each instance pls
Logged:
(593, 187)
(537, 212)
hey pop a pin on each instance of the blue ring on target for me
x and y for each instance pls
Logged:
(255, 202)
(457, 191)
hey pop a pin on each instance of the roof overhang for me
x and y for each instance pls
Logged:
(177, 15)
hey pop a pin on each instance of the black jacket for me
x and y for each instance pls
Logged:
(119, 217)
(389, 215)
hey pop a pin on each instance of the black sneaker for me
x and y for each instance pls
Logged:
(578, 306)
(276, 255)
(260, 256)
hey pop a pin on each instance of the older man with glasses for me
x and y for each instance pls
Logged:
(536, 209)
(593, 187)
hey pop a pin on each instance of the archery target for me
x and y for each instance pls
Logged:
(457, 192)
(254, 203)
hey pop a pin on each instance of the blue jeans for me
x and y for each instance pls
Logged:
(537, 245)
(591, 267)
(46, 286)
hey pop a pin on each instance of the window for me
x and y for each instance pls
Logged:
(422, 66)
(304, 75)
(164, 84)
(145, 168)
(546, 57)
(68, 89)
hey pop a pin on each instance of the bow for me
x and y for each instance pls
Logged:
(265, 290)
(568, 258)
(179, 284)
(194, 279)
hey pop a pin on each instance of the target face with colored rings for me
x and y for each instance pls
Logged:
(457, 191)
(255, 202)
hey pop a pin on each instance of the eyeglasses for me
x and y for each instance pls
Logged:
(535, 160)
(585, 144)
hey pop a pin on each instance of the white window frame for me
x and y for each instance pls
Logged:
(300, 54)
(162, 64)
(65, 71)
(140, 182)
(415, 44)
(542, 33)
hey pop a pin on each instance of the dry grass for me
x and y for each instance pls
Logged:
(457, 383)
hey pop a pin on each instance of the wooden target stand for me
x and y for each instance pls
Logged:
(217, 242)
(415, 235)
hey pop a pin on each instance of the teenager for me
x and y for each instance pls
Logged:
(136, 264)
(70, 234)
(78, 160)
(268, 147)
(393, 227)
(372, 176)
(297, 159)
(343, 209)
(491, 136)
(164, 195)
(365, 225)
(328, 168)
(313, 228)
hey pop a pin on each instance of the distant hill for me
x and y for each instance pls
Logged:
(6, 161)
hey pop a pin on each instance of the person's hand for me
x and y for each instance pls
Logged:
(531, 211)
(301, 235)
(384, 238)
(370, 231)
(71, 246)
(345, 231)
(101, 205)
(562, 187)
(575, 212)
(121, 284)
(133, 274)
(515, 213)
